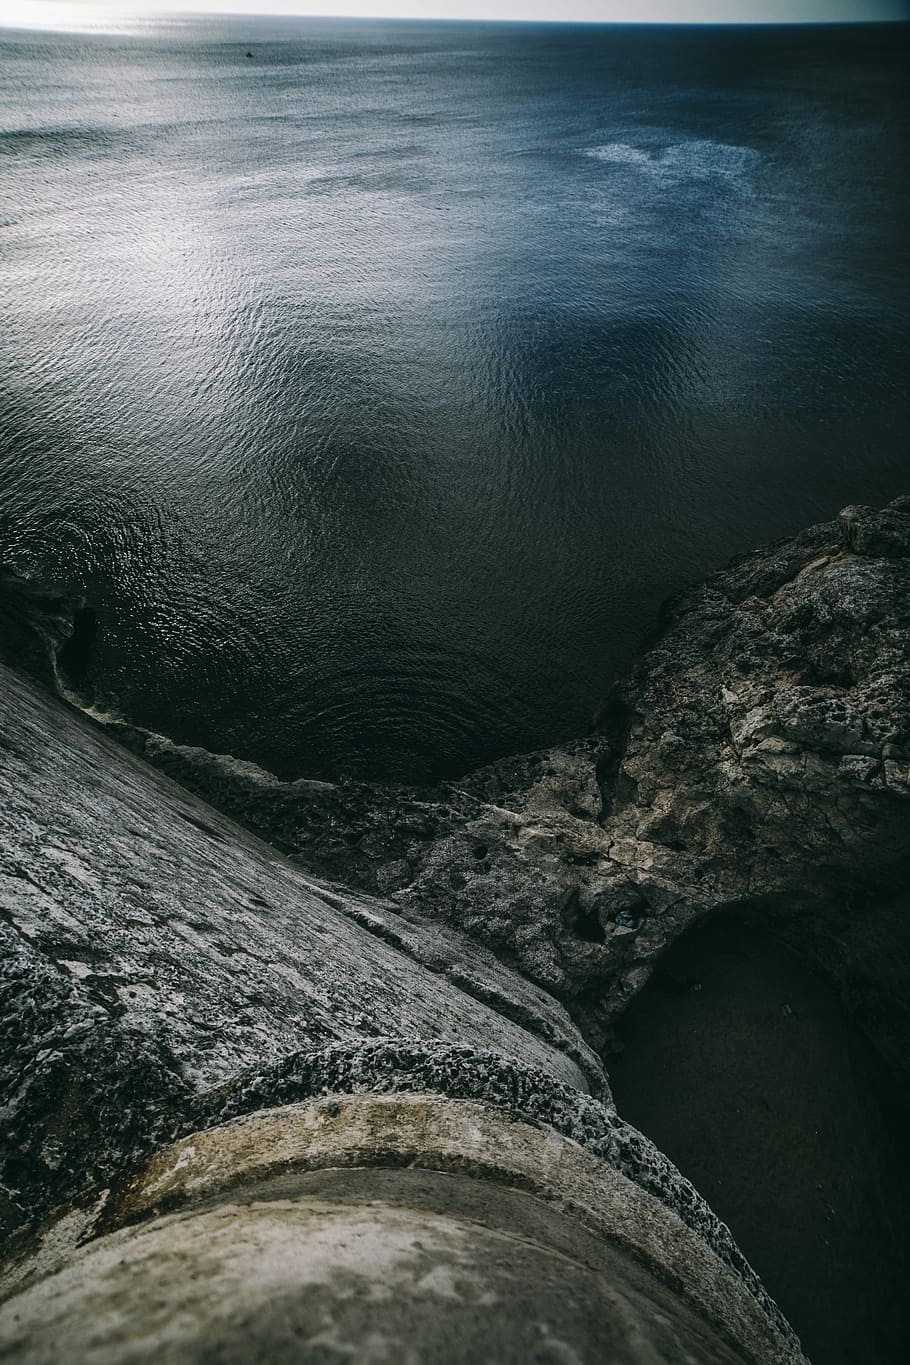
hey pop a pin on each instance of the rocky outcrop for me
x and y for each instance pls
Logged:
(382, 1227)
(456, 953)
(151, 950)
(186, 1019)
(757, 760)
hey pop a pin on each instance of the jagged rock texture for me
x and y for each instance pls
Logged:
(756, 760)
(150, 949)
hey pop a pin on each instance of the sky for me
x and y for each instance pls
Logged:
(102, 14)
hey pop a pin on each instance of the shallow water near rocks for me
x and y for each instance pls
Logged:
(740, 1064)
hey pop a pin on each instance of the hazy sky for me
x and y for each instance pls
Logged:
(81, 14)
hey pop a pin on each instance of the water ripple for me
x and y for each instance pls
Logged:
(379, 388)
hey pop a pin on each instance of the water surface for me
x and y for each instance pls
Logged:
(379, 385)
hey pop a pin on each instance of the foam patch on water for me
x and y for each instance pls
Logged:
(695, 159)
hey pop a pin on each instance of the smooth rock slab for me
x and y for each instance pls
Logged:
(298, 1236)
(150, 949)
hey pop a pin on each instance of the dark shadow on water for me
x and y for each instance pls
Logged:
(741, 1065)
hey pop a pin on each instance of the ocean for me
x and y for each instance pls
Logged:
(377, 380)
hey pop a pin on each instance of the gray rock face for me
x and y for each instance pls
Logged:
(150, 949)
(382, 1227)
(164, 972)
(757, 760)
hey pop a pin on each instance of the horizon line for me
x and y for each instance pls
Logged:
(241, 15)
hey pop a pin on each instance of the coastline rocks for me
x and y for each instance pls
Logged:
(457, 954)
(165, 978)
(757, 760)
(150, 950)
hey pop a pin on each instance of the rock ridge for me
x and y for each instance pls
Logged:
(167, 973)
(756, 760)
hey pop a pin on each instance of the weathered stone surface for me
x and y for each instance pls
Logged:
(399, 1067)
(757, 759)
(388, 1227)
(320, 1279)
(164, 971)
(152, 949)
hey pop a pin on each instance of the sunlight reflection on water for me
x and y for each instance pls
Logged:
(379, 386)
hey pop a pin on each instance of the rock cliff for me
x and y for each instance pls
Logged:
(756, 761)
(187, 1006)
(193, 1031)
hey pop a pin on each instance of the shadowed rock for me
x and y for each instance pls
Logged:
(167, 976)
(757, 759)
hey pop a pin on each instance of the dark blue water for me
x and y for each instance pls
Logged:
(377, 387)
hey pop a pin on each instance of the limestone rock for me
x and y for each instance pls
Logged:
(150, 949)
(757, 759)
